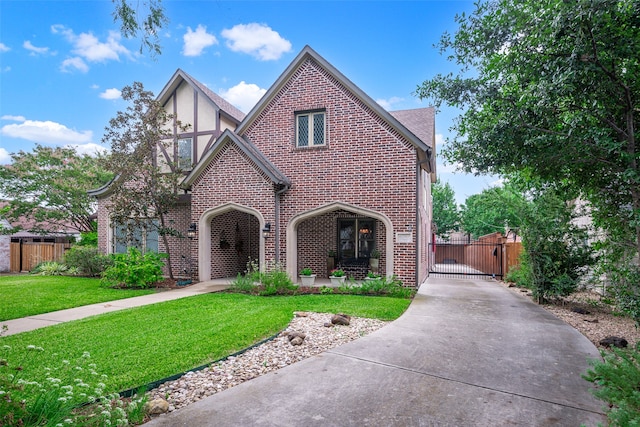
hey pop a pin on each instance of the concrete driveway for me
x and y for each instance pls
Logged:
(466, 353)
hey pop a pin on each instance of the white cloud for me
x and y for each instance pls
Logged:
(46, 132)
(77, 63)
(13, 118)
(387, 104)
(33, 49)
(5, 157)
(257, 40)
(4, 48)
(196, 41)
(91, 148)
(243, 95)
(439, 140)
(88, 47)
(112, 93)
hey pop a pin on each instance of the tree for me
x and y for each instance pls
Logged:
(48, 186)
(147, 27)
(493, 210)
(551, 89)
(146, 187)
(445, 211)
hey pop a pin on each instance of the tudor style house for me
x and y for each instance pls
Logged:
(316, 166)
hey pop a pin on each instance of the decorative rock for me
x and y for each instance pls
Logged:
(267, 357)
(297, 341)
(591, 320)
(293, 334)
(301, 314)
(614, 341)
(328, 325)
(341, 319)
(156, 407)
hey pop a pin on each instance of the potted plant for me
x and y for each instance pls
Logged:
(307, 277)
(331, 260)
(337, 277)
(374, 260)
(372, 276)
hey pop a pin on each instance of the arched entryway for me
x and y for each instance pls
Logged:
(229, 236)
(303, 221)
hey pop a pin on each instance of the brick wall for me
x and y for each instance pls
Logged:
(365, 162)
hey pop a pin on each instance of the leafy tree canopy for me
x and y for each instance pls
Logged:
(133, 22)
(142, 159)
(493, 210)
(551, 89)
(445, 211)
(48, 187)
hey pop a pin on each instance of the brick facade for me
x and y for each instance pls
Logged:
(371, 166)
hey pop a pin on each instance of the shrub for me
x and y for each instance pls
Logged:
(54, 395)
(243, 284)
(390, 287)
(306, 271)
(134, 270)
(276, 281)
(337, 273)
(50, 268)
(88, 260)
(617, 378)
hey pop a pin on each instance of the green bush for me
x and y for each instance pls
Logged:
(134, 270)
(50, 268)
(390, 287)
(626, 290)
(618, 379)
(58, 400)
(88, 260)
(277, 282)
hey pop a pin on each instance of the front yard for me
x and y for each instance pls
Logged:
(28, 295)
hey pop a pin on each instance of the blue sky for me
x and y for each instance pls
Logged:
(63, 63)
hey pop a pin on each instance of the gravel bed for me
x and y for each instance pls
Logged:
(265, 358)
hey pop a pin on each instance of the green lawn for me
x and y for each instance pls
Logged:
(137, 346)
(26, 295)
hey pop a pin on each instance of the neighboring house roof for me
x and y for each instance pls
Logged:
(179, 76)
(250, 150)
(424, 150)
(25, 227)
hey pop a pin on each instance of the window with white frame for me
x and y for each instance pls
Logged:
(185, 154)
(310, 128)
(135, 234)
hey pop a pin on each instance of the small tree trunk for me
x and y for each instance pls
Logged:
(165, 241)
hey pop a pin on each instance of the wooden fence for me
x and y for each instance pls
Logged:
(26, 255)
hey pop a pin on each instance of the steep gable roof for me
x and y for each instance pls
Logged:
(179, 76)
(250, 150)
(421, 122)
(424, 150)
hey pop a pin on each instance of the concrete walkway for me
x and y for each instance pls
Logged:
(47, 319)
(466, 353)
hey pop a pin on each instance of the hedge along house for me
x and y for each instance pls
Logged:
(316, 166)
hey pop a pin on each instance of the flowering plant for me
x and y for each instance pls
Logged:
(337, 273)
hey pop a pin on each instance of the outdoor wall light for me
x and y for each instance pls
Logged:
(191, 233)
(266, 230)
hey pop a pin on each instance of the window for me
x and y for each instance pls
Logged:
(185, 153)
(143, 236)
(310, 129)
(356, 238)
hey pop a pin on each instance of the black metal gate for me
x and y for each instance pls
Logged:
(467, 258)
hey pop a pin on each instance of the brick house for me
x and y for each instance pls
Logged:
(315, 166)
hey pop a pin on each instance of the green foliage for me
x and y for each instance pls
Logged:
(446, 215)
(626, 290)
(147, 185)
(49, 187)
(389, 287)
(306, 271)
(243, 284)
(50, 268)
(520, 274)
(276, 281)
(147, 28)
(88, 260)
(54, 400)
(556, 252)
(134, 270)
(337, 273)
(550, 89)
(617, 378)
(492, 210)
(89, 238)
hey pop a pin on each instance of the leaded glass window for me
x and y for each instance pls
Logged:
(185, 153)
(310, 129)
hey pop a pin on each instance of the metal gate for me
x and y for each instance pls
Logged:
(463, 258)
